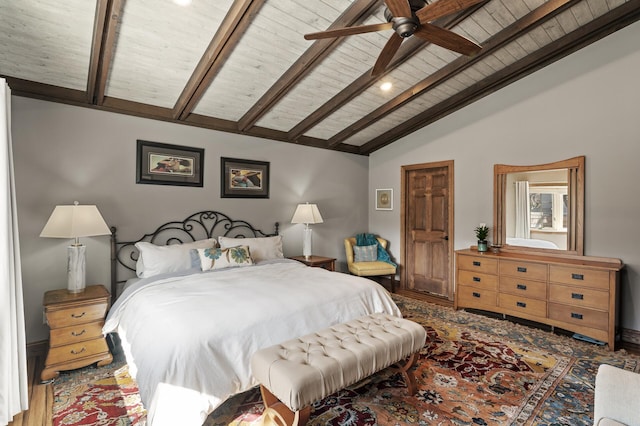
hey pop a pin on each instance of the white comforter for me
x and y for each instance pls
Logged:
(189, 339)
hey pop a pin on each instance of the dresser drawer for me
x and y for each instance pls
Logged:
(583, 277)
(579, 316)
(528, 270)
(76, 315)
(575, 296)
(69, 353)
(478, 298)
(526, 305)
(525, 288)
(75, 333)
(478, 279)
(478, 263)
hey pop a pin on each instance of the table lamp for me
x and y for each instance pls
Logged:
(307, 214)
(74, 222)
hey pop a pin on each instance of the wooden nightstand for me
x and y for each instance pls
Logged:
(75, 336)
(327, 263)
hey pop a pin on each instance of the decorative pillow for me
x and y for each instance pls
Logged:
(154, 259)
(261, 248)
(218, 258)
(365, 253)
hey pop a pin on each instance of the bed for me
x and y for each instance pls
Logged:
(188, 329)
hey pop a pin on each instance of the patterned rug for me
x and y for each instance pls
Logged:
(473, 370)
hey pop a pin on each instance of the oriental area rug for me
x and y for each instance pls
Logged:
(473, 370)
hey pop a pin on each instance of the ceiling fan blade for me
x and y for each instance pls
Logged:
(339, 32)
(447, 39)
(399, 8)
(443, 8)
(388, 52)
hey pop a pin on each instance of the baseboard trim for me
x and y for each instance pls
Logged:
(630, 336)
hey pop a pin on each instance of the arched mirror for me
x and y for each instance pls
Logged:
(540, 207)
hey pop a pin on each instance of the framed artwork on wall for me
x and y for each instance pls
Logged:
(166, 164)
(384, 199)
(244, 178)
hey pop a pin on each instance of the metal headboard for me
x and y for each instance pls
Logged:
(198, 226)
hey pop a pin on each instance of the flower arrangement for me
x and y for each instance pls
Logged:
(482, 232)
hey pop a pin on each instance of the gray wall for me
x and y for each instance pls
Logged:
(585, 104)
(65, 153)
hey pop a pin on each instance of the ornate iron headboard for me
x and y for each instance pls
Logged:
(198, 226)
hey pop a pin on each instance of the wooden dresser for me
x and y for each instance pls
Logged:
(575, 293)
(75, 322)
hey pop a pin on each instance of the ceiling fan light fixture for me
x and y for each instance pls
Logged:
(386, 86)
(405, 27)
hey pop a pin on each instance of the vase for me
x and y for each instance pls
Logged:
(482, 245)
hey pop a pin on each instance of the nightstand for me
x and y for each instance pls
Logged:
(327, 263)
(75, 337)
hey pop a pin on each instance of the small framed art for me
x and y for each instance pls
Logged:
(165, 164)
(244, 178)
(384, 199)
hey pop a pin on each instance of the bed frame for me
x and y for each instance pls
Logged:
(198, 226)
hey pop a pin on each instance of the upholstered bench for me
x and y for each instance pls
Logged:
(296, 373)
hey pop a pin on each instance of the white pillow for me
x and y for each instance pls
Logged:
(261, 248)
(154, 259)
(218, 258)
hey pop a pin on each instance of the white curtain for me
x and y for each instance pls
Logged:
(522, 210)
(13, 350)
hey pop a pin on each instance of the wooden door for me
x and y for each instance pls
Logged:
(428, 228)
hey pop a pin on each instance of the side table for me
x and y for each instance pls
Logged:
(328, 263)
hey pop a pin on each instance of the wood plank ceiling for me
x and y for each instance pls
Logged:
(243, 66)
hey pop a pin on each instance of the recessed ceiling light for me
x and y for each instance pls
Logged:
(386, 86)
(182, 2)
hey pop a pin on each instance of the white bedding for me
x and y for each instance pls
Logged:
(189, 339)
(531, 242)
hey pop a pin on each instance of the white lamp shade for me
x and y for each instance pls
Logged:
(307, 213)
(74, 222)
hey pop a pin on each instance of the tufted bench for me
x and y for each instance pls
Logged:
(298, 372)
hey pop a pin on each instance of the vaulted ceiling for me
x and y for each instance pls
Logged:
(243, 66)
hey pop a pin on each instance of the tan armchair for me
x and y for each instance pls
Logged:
(369, 269)
(617, 397)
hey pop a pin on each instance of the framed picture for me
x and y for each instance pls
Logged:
(244, 178)
(384, 199)
(165, 164)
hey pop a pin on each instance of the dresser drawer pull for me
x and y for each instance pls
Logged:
(73, 333)
(576, 316)
(521, 286)
(476, 263)
(78, 316)
(476, 279)
(577, 276)
(476, 294)
(577, 296)
(522, 269)
(74, 352)
(521, 304)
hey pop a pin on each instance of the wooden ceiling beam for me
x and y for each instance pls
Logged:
(599, 28)
(46, 92)
(407, 50)
(220, 48)
(105, 27)
(496, 42)
(307, 62)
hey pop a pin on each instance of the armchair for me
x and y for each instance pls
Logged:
(617, 397)
(369, 268)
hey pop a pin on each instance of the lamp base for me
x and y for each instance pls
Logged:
(76, 275)
(306, 246)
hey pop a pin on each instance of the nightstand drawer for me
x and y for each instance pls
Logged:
(478, 279)
(525, 270)
(75, 333)
(478, 263)
(76, 315)
(69, 353)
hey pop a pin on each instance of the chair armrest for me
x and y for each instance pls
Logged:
(617, 395)
(348, 248)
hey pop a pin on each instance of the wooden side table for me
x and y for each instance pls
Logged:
(328, 263)
(75, 337)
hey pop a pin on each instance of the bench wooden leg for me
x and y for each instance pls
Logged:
(407, 373)
(279, 413)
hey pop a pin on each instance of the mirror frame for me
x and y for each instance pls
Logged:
(575, 227)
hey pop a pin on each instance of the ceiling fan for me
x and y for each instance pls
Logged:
(407, 18)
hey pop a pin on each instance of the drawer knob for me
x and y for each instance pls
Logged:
(73, 333)
(521, 304)
(577, 296)
(476, 294)
(576, 316)
(476, 279)
(476, 263)
(78, 316)
(522, 269)
(521, 286)
(74, 352)
(577, 276)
